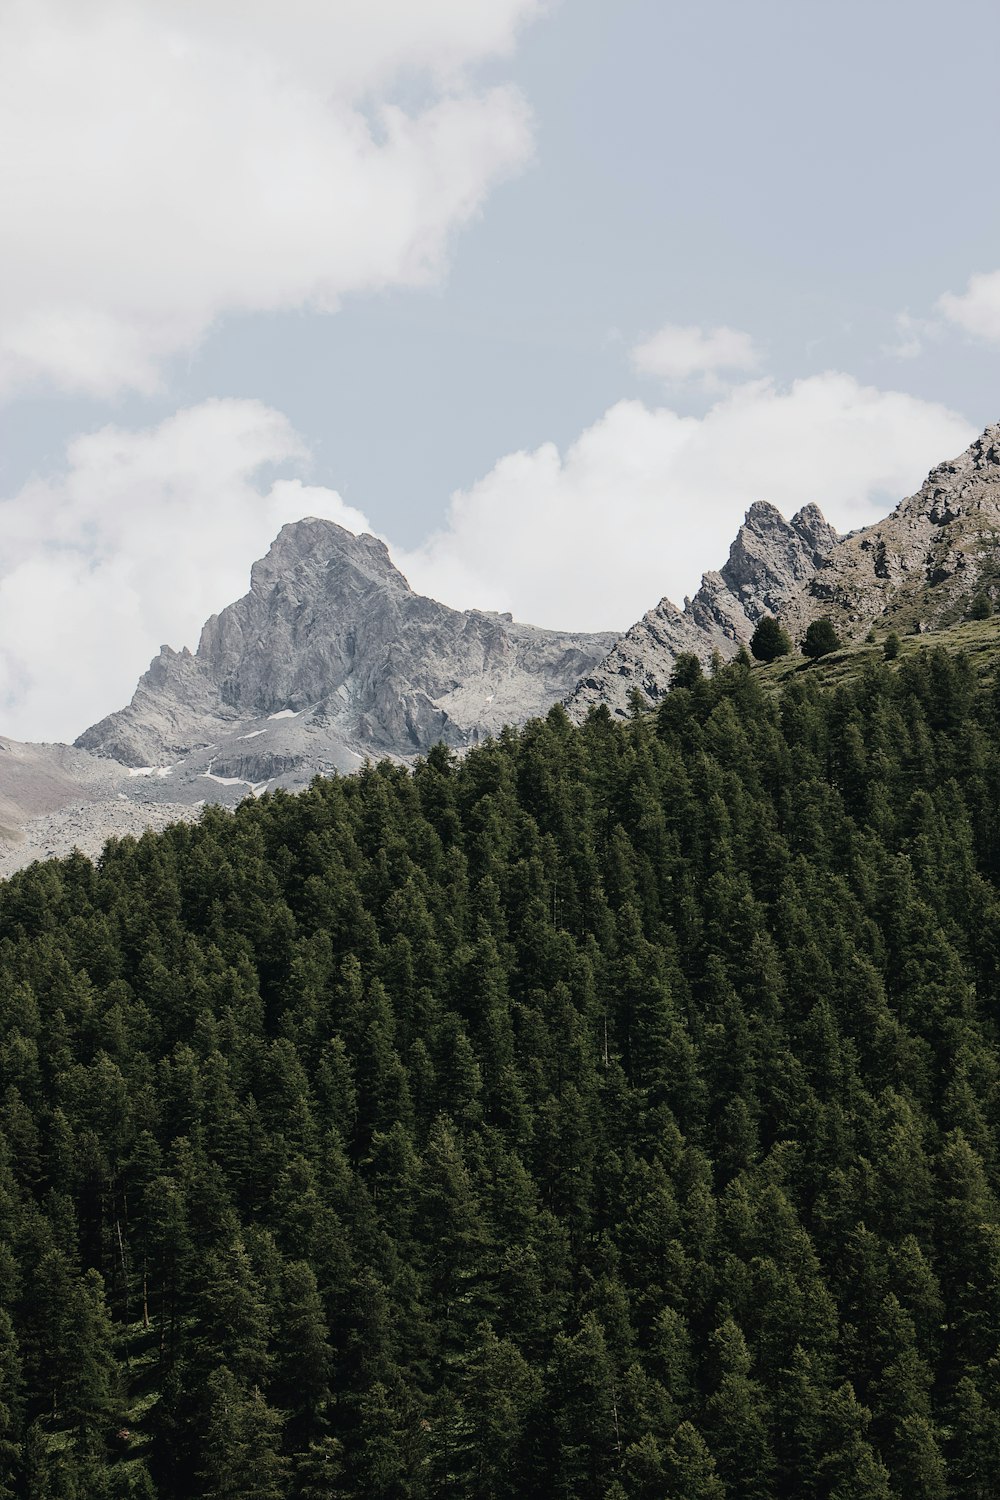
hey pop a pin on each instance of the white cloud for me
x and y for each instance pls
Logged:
(165, 163)
(645, 500)
(142, 538)
(977, 309)
(677, 353)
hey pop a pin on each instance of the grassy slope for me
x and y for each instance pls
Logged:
(979, 640)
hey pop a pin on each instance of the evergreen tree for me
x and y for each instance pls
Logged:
(690, 1468)
(91, 1375)
(820, 638)
(241, 1454)
(769, 640)
(11, 1408)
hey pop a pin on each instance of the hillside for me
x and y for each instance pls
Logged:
(609, 1113)
(768, 562)
(976, 642)
(919, 569)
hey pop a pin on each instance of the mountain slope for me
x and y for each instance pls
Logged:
(918, 569)
(921, 567)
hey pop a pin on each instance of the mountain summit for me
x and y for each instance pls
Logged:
(332, 636)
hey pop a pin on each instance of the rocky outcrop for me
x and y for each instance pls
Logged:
(331, 635)
(920, 568)
(768, 563)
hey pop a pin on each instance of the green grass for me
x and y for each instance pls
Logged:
(979, 640)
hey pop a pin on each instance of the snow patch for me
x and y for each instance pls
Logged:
(255, 732)
(150, 770)
(285, 713)
(225, 780)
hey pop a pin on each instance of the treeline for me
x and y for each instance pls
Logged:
(613, 1114)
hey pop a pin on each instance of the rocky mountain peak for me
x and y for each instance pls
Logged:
(771, 556)
(981, 457)
(814, 529)
(332, 636)
(314, 545)
(918, 568)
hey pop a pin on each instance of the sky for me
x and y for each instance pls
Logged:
(544, 292)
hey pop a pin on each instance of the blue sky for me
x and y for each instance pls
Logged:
(244, 290)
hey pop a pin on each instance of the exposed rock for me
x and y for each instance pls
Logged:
(768, 562)
(331, 631)
(923, 564)
(36, 780)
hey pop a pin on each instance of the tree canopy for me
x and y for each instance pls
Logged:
(612, 1112)
(770, 640)
(820, 638)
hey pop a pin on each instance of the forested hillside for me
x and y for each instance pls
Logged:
(612, 1114)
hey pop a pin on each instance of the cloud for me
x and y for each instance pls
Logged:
(912, 336)
(645, 499)
(144, 536)
(167, 163)
(677, 353)
(977, 309)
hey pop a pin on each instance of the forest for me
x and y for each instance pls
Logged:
(612, 1113)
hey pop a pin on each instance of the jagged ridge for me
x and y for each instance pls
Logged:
(918, 569)
(769, 559)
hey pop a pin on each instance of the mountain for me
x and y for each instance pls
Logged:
(329, 659)
(332, 657)
(919, 569)
(768, 563)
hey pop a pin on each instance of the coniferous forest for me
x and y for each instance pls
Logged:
(613, 1114)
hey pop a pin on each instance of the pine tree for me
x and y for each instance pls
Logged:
(91, 1393)
(303, 1358)
(769, 640)
(500, 1400)
(11, 1407)
(820, 638)
(737, 1418)
(690, 1468)
(241, 1452)
(586, 1417)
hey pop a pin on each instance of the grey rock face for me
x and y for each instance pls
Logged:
(922, 565)
(332, 636)
(768, 563)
